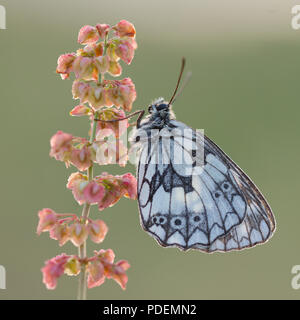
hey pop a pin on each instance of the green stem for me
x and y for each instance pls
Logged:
(82, 288)
(105, 44)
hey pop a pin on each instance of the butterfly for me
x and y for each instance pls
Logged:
(191, 195)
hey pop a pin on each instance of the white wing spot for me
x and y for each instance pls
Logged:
(160, 201)
(176, 238)
(230, 220)
(255, 236)
(158, 230)
(217, 245)
(239, 205)
(216, 163)
(264, 228)
(244, 243)
(215, 232)
(144, 194)
(146, 212)
(198, 237)
(194, 203)
(177, 201)
(213, 172)
(231, 244)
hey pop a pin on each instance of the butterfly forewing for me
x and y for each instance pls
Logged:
(193, 196)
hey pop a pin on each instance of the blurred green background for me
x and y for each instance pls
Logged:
(244, 92)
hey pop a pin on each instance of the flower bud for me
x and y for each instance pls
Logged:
(47, 220)
(60, 232)
(85, 69)
(116, 128)
(77, 182)
(97, 230)
(80, 110)
(93, 192)
(97, 97)
(53, 269)
(80, 90)
(122, 94)
(118, 273)
(78, 233)
(130, 184)
(72, 267)
(125, 49)
(124, 29)
(114, 69)
(102, 63)
(65, 64)
(81, 158)
(88, 34)
(96, 274)
(102, 29)
(61, 143)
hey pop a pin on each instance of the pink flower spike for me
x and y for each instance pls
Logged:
(80, 110)
(93, 192)
(78, 233)
(97, 230)
(65, 64)
(88, 34)
(53, 269)
(124, 29)
(47, 220)
(102, 29)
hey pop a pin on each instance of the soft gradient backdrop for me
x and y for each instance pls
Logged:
(244, 92)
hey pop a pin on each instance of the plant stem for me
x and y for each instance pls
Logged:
(105, 44)
(82, 288)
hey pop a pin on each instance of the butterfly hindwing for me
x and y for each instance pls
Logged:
(259, 223)
(212, 207)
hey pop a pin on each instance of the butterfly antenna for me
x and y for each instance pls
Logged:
(185, 82)
(178, 81)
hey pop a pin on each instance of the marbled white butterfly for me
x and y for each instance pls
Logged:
(190, 193)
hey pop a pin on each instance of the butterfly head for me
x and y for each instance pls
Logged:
(160, 113)
(158, 106)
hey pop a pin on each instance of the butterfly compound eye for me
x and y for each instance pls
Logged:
(162, 106)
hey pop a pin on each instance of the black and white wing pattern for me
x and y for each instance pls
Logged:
(209, 207)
